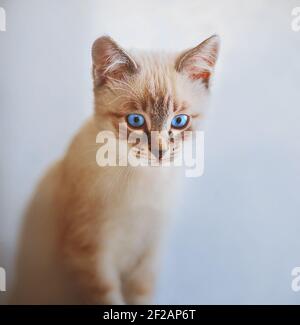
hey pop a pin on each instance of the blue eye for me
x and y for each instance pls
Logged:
(180, 121)
(136, 120)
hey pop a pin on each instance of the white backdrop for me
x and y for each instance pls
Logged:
(239, 236)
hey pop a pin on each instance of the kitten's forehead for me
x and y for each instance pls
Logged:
(157, 88)
(158, 107)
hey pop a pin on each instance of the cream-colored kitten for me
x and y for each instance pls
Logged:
(92, 233)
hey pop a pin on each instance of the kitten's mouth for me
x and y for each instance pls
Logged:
(156, 160)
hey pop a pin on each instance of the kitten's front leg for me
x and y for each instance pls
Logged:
(138, 286)
(100, 286)
(95, 276)
(108, 283)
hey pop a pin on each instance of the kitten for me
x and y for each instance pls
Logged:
(92, 233)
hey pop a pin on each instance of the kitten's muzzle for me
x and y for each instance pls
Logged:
(158, 153)
(158, 146)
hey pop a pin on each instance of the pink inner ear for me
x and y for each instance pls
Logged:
(198, 67)
(205, 75)
(209, 60)
(196, 73)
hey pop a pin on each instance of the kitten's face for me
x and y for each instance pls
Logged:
(156, 98)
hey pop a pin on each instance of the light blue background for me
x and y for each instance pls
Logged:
(236, 235)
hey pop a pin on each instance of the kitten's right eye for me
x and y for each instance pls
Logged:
(135, 120)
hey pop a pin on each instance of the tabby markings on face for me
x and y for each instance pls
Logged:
(187, 150)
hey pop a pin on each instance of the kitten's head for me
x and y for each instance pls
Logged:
(156, 95)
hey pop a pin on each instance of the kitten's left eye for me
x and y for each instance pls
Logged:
(135, 120)
(180, 121)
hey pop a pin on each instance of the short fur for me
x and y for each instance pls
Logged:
(92, 233)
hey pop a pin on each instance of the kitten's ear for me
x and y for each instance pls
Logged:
(110, 61)
(198, 63)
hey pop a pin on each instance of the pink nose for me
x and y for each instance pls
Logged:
(158, 153)
(158, 145)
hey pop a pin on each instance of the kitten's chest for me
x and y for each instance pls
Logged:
(136, 215)
(145, 187)
(141, 203)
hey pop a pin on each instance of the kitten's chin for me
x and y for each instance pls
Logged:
(156, 162)
(143, 158)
